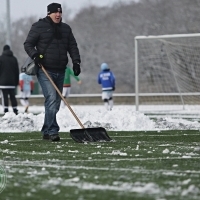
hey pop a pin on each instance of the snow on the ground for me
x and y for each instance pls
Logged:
(121, 118)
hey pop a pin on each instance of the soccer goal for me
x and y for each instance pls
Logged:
(167, 70)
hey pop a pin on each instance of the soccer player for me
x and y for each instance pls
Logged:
(67, 83)
(107, 80)
(26, 85)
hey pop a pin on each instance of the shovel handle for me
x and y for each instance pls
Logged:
(67, 104)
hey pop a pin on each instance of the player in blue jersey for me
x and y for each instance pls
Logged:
(107, 80)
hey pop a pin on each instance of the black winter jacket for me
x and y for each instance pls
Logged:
(9, 70)
(55, 57)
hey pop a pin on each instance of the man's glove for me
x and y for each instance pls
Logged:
(21, 90)
(31, 91)
(113, 88)
(76, 69)
(38, 59)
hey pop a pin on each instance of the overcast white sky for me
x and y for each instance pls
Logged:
(25, 8)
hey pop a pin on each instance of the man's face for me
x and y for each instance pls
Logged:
(56, 17)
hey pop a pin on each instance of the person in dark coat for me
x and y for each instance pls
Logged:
(9, 78)
(51, 30)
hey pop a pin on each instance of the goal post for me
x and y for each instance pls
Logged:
(167, 70)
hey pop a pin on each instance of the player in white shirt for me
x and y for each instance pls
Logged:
(26, 86)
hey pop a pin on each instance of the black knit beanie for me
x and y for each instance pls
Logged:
(53, 8)
(6, 47)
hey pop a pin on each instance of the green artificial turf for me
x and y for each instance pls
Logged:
(151, 165)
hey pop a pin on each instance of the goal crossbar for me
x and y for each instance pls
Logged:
(167, 36)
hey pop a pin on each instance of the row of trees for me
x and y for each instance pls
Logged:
(106, 34)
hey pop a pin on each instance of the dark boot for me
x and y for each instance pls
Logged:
(45, 137)
(54, 137)
(5, 110)
(15, 111)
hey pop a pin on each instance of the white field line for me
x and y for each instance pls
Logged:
(111, 159)
(133, 136)
(59, 167)
(59, 151)
(149, 188)
(114, 136)
(30, 140)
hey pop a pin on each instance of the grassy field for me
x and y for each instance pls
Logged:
(163, 165)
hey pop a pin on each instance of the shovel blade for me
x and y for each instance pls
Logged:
(89, 135)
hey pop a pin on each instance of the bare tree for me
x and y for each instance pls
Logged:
(106, 34)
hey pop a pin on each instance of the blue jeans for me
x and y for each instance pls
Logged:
(52, 100)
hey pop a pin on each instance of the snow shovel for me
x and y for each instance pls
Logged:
(84, 134)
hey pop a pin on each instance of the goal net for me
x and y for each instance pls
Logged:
(167, 70)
